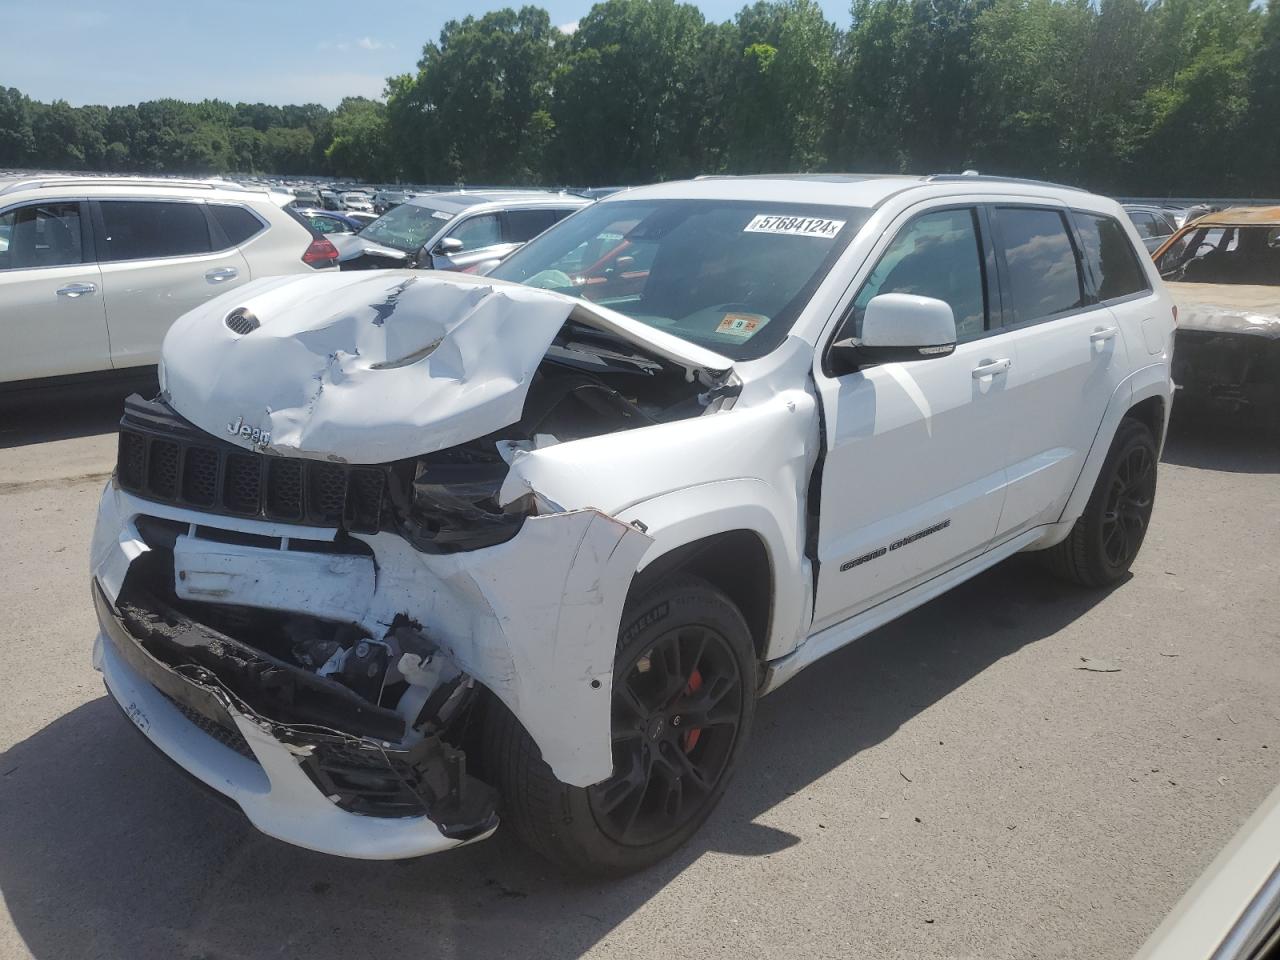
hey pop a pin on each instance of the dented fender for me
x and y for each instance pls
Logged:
(534, 619)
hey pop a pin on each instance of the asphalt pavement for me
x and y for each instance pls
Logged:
(953, 785)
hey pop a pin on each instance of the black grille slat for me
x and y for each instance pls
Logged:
(200, 476)
(242, 484)
(162, 469)
(284, 489)
(132, 460)
(170, 462)
(365, 490)
(326, 493)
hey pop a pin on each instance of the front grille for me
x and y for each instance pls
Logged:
(222, 729)
(165, 459)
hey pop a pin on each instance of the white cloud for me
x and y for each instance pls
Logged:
(363, 43)
(568, 29)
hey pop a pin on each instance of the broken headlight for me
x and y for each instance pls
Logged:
(453, 505)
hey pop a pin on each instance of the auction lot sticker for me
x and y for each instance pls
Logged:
(794, 226)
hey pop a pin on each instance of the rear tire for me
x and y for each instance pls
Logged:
(1107, 537)
(683, 701)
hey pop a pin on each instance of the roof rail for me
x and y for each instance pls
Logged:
(992, 178)
(36, 183)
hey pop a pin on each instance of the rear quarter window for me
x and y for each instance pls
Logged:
(236, 223)
(1110, 257)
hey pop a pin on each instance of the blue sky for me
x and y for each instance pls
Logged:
(123, 51)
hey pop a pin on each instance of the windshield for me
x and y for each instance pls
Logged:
(730, 275)
(1223, 255)
(407, 227)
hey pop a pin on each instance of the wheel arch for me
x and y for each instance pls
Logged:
(1145, 395)
(729, 534)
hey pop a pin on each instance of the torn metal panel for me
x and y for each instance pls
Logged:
(534, 619)
(377, 366)
(321, 584)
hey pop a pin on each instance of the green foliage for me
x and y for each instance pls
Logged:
(1127, 96)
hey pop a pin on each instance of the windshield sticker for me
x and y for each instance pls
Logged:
(441, 215)
(794, 226)
(741, 325)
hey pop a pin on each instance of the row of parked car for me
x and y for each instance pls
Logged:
(99, 267)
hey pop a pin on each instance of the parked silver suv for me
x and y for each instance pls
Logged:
(456, 231)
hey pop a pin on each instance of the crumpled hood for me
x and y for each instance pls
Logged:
(1248, 309)
(373, 366)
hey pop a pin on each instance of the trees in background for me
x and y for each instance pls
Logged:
(1126, 96)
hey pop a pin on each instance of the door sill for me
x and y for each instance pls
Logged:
(830, 639)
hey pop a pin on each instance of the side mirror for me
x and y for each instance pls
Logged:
(898, 327)
(448, 247)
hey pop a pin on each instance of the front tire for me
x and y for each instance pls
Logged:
(1107, 537)
(683, 701)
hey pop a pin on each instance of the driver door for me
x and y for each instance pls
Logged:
(481, 239)
(913, 476)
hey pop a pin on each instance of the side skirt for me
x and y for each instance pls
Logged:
(818, 645)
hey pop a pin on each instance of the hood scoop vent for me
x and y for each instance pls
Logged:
(241, 321)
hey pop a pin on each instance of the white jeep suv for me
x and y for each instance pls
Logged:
(393, 553)
(93, 270)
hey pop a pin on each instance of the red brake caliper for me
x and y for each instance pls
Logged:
(690, 737)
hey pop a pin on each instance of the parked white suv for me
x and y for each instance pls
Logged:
(93, 270)
(572, 519)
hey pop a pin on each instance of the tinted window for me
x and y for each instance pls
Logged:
(323, 224)
(478, 232)
(236, 222)
(41, 235)
(1145, 224)
(524, 225)
(1110, 257)
(143, 229)
(936, 255)
(1043, 278)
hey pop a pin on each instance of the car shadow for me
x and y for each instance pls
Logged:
(68, 411)
(1210, 439)
(106, 851)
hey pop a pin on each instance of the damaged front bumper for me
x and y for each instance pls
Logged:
(278, 775)
(533, 620)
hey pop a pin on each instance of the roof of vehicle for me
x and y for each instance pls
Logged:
(463, 200)
(125, 185)
(1241, 217)
(839, 189)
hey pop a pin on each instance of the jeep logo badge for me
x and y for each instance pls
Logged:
(255, 435)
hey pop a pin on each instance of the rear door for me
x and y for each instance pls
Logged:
(51, 309)
(914, 470)
(1071, 359)
(159, 259)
